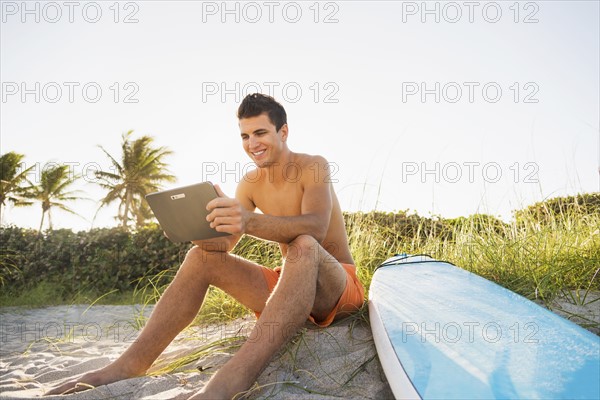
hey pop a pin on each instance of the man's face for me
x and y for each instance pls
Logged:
(261, 141)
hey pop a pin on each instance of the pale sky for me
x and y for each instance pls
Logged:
(445, 108)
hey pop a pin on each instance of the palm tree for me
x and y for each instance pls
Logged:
(140, 171)
(51, 191)
(11, 180)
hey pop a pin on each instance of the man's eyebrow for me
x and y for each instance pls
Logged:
(259, 130)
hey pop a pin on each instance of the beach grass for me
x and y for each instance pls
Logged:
(546, 251)
(538, 258)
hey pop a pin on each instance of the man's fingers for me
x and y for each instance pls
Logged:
(224, 221)
(220, 202)
(232, 229)
(221, 213)
(225, 209)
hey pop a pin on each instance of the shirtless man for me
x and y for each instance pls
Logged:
(317, 282)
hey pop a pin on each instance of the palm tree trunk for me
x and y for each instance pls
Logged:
(128, 199)
(49, 219)
(120, 213)
(42, 222)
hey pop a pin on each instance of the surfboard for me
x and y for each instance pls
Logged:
(444, 333)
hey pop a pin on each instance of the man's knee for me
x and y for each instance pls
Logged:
(201, 255)
(303, 248)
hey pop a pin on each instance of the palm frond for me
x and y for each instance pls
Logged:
(141, 171)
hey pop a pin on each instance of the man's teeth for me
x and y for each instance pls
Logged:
(258, 153)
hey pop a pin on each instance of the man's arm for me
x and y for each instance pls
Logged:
(315, 213)
(229, 216)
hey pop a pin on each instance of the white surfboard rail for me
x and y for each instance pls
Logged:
(401, 385)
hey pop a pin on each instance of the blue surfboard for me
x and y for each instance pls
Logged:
(444, 333)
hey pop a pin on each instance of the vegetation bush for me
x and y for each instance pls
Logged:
(99, 260)
(547, 249)
(546, 211)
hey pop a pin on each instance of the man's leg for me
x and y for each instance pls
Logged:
(311, 281)
(177, 308)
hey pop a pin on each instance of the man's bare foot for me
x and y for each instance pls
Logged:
(109, 374)
(230, 382)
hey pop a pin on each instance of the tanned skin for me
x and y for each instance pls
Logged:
(301, 212)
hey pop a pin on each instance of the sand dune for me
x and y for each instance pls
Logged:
(42, 347)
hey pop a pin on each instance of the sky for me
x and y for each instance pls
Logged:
(439, 108)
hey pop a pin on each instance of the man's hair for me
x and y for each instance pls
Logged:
(256, 103)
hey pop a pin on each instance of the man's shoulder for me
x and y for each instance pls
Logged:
(314, 168)
(252, 175)
(248, 181)
(308, 160)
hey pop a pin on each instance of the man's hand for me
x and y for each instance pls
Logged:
(226, 214)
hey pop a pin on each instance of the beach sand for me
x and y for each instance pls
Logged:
(43, 347)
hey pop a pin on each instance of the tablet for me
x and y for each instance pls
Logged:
(181, 212)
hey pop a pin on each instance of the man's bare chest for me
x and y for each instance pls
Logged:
(282, 201)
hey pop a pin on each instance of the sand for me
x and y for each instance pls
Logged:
(581, 307)
(42, 347)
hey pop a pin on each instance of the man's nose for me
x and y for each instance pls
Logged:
(252, 142)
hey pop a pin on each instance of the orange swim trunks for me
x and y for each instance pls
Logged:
(351, 300)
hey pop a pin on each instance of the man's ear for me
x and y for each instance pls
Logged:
(284, 132)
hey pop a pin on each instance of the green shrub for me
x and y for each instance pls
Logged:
(547, 249)
(546, 211)
(99, 261)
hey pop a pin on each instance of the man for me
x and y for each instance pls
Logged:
(317, 282)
